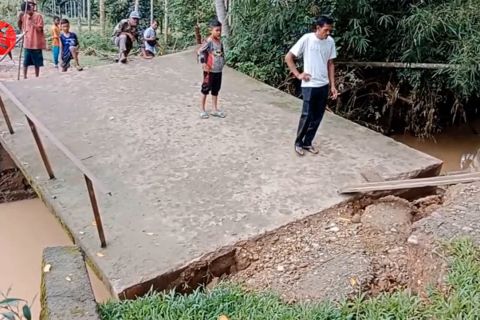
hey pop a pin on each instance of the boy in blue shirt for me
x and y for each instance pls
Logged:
(68, 47)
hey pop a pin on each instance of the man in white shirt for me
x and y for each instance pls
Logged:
(318, 76)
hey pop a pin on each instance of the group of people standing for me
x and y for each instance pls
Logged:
(318, 51)
(65, 43)
(316, 48)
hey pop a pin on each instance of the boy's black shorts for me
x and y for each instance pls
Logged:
(212, 82)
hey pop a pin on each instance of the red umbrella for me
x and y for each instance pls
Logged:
(7, 38)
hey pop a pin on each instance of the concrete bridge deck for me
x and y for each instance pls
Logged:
(184, 187)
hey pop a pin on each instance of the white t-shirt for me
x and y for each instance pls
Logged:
(316, 53)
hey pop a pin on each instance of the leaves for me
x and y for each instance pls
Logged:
(8, 315)
(10, 308)
(26, 312)
(10, 301)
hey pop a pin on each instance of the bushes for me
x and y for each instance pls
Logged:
(262, 32)
(421, 101)
(185, 15)
(94, 40)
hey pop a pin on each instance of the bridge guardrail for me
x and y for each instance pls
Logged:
(36, 126)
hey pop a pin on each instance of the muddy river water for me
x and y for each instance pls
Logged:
(27, 227)
(449, 146)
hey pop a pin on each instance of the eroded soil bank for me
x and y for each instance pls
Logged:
(26, 228)
(369, 246)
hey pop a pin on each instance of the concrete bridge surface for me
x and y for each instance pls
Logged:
(184, 190)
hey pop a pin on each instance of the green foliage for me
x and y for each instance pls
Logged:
(446, 32)
(14, 308)
(184, 15)
(8, 11)
(264, 30)
(461, 301)
(96, 41)
(117, 10)
(370, 30)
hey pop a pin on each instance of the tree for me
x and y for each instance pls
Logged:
(102, 16)
(222, 13)
(89, 14)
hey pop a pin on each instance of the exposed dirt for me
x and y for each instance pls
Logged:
(13, 186)
(360, 247)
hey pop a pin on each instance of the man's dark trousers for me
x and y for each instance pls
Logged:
(314, 104)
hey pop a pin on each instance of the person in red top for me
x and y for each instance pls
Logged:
(34, 39)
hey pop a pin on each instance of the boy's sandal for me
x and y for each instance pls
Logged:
(219, 114)
(204, 115)
(79, 68)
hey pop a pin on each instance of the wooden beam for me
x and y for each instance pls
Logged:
(397, 65)
(411, 183)
(165, 22)
(89, 14)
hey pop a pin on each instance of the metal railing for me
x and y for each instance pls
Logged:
(36, 126)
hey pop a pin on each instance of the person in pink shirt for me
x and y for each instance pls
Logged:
(34, 39)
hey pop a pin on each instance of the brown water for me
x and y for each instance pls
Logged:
(448, 146)
(26, 228)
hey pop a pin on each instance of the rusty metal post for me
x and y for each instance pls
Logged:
(40, 148)
(96, 212)
(5, 116)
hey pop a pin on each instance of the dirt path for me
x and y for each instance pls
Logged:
(9, 68)
(369, 246)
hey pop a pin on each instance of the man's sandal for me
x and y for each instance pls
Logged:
(311, 149)
(299, 151)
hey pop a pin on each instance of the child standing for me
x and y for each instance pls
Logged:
(212, 58)
(55, 40)
(68, 46)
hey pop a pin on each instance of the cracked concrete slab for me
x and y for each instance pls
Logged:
(184, 187)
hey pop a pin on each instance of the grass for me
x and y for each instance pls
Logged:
(461, 300)
(94, 40)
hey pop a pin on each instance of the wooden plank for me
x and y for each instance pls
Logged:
(452, 173)
(411, 183)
